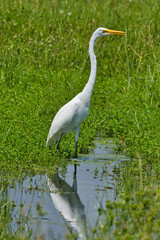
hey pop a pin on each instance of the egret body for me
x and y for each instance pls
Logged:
(71, 115)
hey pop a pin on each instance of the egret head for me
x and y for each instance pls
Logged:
(106, 32)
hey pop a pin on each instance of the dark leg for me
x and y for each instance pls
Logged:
(74, 186)
(75, 170)
(59, 141)
(76, 149)
(76, 135)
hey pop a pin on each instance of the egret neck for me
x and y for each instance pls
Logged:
(87, 91)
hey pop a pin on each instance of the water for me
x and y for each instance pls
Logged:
(53, 206)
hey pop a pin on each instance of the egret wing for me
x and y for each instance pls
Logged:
(67, 119)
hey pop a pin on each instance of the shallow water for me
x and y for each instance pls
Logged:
(57, 205)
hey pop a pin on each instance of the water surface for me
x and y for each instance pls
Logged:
(56, 205)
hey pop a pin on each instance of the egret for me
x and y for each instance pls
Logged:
(71, 115)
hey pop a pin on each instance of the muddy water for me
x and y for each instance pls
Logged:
(52, 206)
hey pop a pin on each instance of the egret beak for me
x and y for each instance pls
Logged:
(114, 32)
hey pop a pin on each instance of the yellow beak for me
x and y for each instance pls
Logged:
(114, 32)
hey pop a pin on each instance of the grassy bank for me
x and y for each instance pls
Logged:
(44, 62)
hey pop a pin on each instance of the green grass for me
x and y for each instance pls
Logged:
(44, 62)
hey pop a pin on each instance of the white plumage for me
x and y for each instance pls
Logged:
(71, 115)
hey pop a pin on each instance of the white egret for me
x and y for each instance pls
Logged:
(71, 115)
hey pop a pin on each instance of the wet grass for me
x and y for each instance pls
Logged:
(44, 63)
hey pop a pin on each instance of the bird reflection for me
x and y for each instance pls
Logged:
(66, 200)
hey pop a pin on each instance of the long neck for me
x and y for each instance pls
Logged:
(90, 84)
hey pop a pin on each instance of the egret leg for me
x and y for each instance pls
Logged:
(76, 135)
(59, 141)
(75, 178)
(75, 169)
(76, 150)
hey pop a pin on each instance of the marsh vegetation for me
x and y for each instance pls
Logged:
(44, 62)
